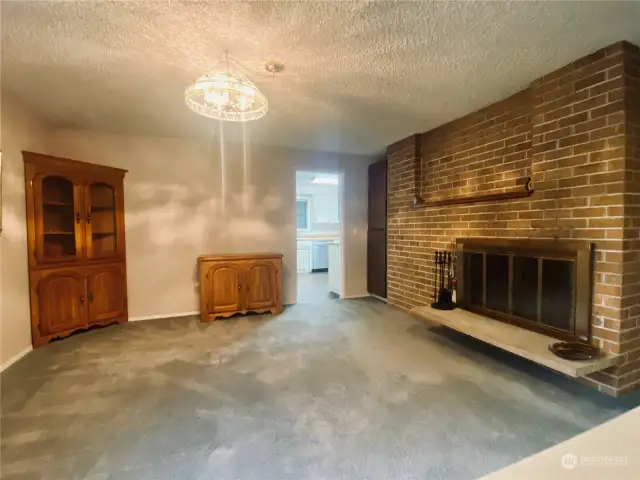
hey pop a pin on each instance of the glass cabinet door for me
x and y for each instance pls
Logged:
(58, 219)
(102, 238)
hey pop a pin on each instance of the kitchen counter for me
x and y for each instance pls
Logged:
(318, 236)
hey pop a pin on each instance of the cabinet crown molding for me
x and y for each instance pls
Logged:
(48, 161)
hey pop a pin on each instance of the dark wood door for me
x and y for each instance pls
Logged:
(107, 293)
(261, 290)
(377, 231)
(225, 292)
(62, 301)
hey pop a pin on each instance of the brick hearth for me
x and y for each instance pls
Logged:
(576, 133)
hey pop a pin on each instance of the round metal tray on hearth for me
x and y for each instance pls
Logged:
(574, 350)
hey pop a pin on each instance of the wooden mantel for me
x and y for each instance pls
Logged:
(512, 194)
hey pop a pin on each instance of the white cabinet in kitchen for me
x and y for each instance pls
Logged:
(335, 270)
(320, 255)
(303, 251)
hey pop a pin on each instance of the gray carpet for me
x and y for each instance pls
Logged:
(346, 390)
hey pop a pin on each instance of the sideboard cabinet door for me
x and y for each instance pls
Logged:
(223, 286)
(260, 285)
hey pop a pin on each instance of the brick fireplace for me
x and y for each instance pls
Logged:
(575, 133)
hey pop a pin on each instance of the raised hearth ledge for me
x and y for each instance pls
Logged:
(524, 343)
(489, 197)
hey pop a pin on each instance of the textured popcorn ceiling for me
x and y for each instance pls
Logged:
(358, 75)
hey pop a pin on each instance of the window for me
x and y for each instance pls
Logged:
(302, 214)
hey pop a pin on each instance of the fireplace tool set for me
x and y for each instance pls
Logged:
(444, 282)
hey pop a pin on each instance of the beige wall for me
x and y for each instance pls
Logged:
(19, 131)
(186, 198)
(182, 199)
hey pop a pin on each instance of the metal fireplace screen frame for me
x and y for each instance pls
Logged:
(580, 253)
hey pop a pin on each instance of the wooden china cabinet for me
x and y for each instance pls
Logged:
(77, 259)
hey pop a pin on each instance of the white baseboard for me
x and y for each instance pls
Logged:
(164, 315)
(382, 299)
(349, 297)
(15, 358)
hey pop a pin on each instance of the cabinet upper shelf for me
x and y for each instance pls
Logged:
(75, 211)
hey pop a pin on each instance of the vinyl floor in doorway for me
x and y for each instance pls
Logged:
(314, 288)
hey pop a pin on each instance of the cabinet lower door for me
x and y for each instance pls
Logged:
(261, 291)
(61, 301)
(107, 293)
(223, 287)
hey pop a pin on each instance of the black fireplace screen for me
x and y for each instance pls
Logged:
(541, 285)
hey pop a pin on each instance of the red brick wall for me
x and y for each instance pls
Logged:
(629, 374)
(568, 131)
(485, 152)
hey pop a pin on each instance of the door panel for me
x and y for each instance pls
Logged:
(260, 285)
(62, 302)
(224, 288)
(377, 232)
(59, 222)
(101, 220)
(377, 263)
(107, 293)
(378, 195)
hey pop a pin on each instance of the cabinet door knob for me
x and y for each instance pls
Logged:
(81, 298)
(88, 218)
(239, 287)
(77, 217)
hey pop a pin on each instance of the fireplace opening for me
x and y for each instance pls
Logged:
(475, 276)
(525, 287)
(543, 286)
(557, 293)
(497, 282)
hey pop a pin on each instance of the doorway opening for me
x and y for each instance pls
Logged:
(318, 236)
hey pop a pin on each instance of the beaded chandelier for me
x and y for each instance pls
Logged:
(226, 94)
